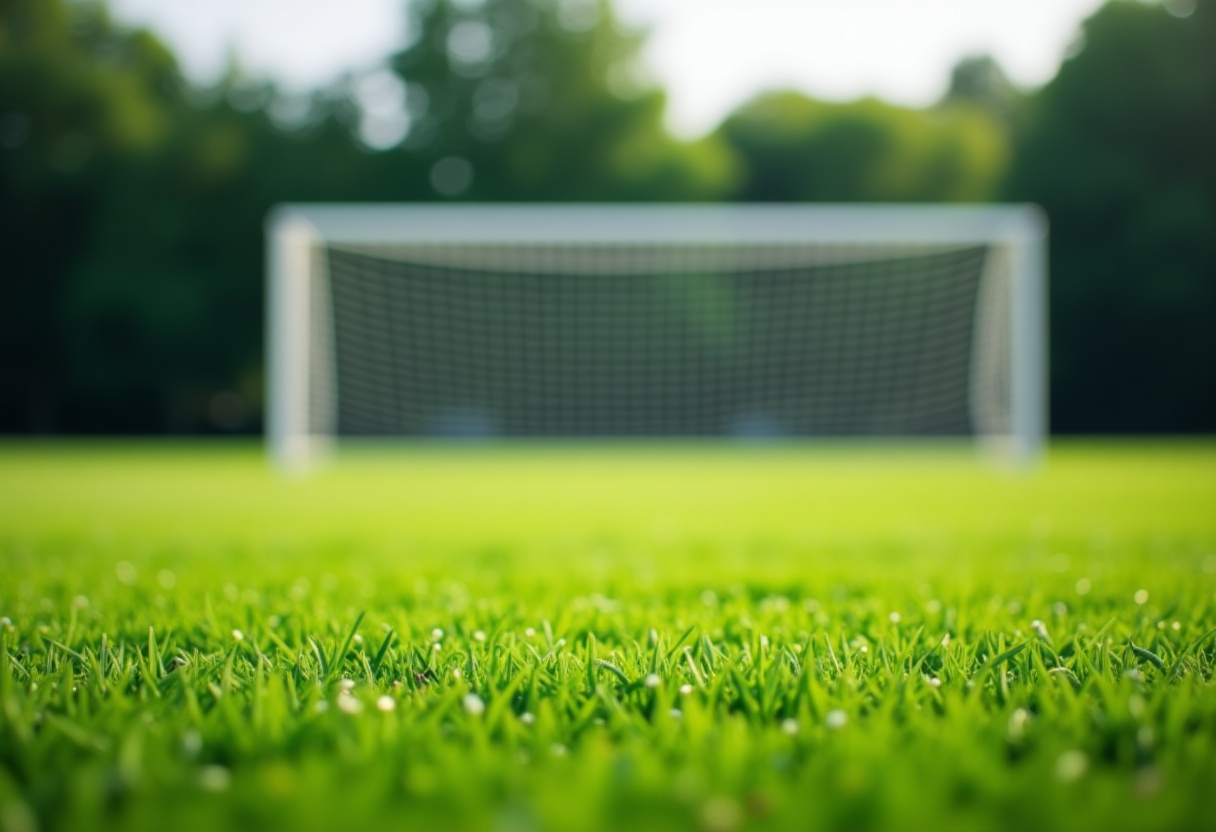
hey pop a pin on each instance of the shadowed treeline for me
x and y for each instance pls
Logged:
(131, 203)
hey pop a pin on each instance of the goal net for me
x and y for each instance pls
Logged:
(655, 321)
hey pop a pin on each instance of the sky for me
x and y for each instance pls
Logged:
(710, 55)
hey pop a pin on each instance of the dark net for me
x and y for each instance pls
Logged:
(651, 341)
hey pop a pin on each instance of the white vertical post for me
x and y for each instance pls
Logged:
(289, 254)
(1028, 331)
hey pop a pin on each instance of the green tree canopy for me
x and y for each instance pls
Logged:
(1119, 149)
(544, 100)
(795, 148)
(77, 95)
(981, 81)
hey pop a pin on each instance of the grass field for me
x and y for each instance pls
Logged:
(614, 637)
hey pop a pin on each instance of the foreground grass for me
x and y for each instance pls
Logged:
(589, 638)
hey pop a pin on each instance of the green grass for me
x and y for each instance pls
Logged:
(584, 638)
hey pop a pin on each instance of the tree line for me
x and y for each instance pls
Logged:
(132, 201)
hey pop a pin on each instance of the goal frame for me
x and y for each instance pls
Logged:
(297, 284)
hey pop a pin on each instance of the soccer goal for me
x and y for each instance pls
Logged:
(656, 321)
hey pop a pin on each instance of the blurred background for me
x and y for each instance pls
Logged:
(137, 164)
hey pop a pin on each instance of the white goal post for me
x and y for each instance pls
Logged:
(655, 320)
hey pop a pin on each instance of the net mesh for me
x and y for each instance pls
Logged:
(657, 340)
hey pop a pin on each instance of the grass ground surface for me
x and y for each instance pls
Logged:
(571, 637)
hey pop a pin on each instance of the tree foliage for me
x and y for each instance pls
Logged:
(980, 81)
(77, 97)
(1119, 149)
(795, 148)
(543, 99)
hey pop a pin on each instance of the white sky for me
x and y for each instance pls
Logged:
(710, 55)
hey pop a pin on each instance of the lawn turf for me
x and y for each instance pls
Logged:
(584, 637)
